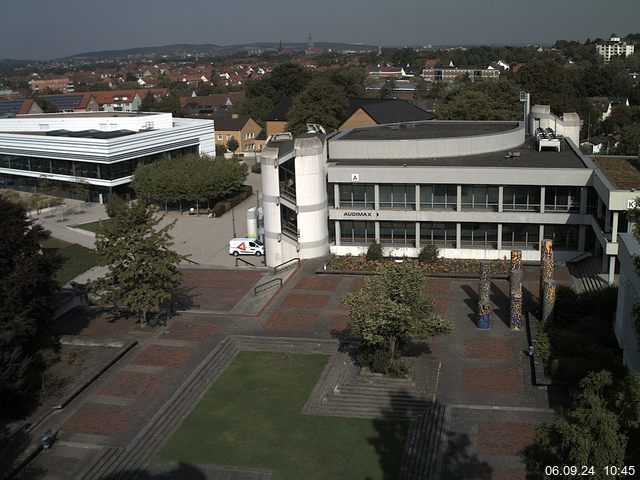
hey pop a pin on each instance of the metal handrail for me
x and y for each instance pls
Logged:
(191, 261)
(238, 259)
(266, 285)
(286, 265)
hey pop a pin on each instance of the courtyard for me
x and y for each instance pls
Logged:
(200, 397)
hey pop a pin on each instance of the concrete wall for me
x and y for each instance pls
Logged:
(311, 197)
(86, 121)
(628, 297)
(568, 125)
(430, 147)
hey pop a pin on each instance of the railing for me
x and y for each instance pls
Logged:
(286, 265)
(243, 261)
(191, 261)
(267, 285)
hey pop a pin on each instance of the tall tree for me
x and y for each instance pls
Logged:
(27, 292)
(142, 268)
(601, 428)
(388, 89)
(232, 144)
(390, 310)
(321, 102)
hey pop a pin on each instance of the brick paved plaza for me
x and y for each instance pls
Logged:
(484, 377)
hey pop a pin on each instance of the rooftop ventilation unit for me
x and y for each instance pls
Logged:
(276, 137)
(315, 128)
(547, 138)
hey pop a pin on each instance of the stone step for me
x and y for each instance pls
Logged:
(423, 451)
(172, 413)
(189, 397)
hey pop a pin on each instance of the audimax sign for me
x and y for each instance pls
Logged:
(360, 214)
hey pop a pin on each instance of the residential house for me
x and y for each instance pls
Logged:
(606, 104)
(277, 118)
(19, 106)
(365, 112)
(73, 102)
(210, 104)
(42, 85)
(241, 127)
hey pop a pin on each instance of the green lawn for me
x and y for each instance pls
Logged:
(77, 259)
(252, 417)
(93, 226)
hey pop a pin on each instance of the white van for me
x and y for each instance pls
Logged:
(245, 246)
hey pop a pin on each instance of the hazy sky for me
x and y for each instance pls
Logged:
(41, 29)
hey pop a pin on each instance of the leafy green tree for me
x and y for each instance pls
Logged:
(422, 90)
(191, 178)
(115, 205)
(149, 103)
(220, 150)
(27, 293)
(549, 84)
(232, 144)
(375, 252)
(320, 102)
(352, 79)
(630, 142)
(142, 268)
(171, 104)
(288, 80)
(388, 89)
(600, 429)
(390, 310)
(257, 108)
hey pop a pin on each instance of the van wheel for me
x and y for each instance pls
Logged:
(258, 254)
(235, 254)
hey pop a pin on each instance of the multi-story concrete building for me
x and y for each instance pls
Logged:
(99, 150)
(614, 47)
(472, 189)
(449, 73)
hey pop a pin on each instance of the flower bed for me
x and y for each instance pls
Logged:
(440, 265)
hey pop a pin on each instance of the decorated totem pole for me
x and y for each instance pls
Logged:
(484, 293)
(515, 276)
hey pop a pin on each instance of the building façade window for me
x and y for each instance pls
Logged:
(479, 235)
(438, 197)
(521, 198)
(521, 236)
(356, 196)
(357, 233)
(438, 234)
(401, 196)
(480, 197)
(398, 233)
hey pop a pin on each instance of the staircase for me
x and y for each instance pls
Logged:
(426, 445)
(586, 273)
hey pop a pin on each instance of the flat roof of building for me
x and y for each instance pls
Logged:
(428, 130)
(88, 114)
(622, 171)
(523, 157)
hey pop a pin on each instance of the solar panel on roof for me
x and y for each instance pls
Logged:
(10, 106)
(70, 101)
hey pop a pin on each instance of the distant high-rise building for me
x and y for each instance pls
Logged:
(614, 48)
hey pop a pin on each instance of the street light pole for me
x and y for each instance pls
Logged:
(233, 221)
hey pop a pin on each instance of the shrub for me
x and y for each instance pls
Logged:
(375, 252)
(428, 254)
(376, 359)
